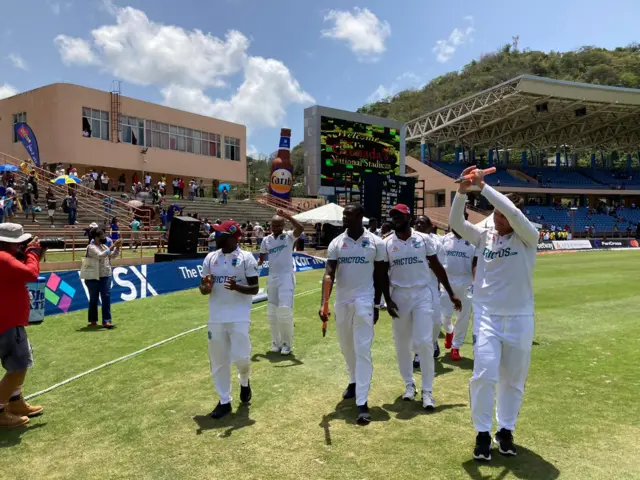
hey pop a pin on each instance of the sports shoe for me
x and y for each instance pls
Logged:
(286, 350)
(221, 410)
(364, 417)
(350, 391)
(108, 325)
(455, 355)
(275, 348)
(409, 392)
(483, 447)
(21, 408)
(436, 350)
(504, 439)
(93, 324)
(9, 420)
(428, 402)
(245, 393)
(416, 361)
(448, 338)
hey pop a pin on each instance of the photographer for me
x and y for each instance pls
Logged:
(100, 287)
(15, 350)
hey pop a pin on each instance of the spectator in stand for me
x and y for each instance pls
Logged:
(225, 196)
(193, 188)
(249, 233)
(201, 188)
(105, 181)
(615, 230)
(69, 169)
(134, 178)
(108, 205)
(115, 229)
(27, 202)
(181, 188)
(174, 184)
(15, 350)
(162, 187)
(259, 232)
(163, 217)
(122, 180)
(147, 180)
(34, 185)
(135, 225)
(100, 289)
(51, 205)
(72, 206)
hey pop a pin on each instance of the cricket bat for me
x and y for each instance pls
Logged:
(486, 171)
(326, 292)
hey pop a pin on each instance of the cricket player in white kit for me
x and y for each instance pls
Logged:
(503, 312)
(461, 260)
(412, 262)
(278, 248)
(230, 278)
(356, 260)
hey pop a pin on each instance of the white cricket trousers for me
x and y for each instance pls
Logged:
(413, 330)
(229, 343)
(354, 327)
(435, 322)
(502, 356)
(280, 289)
(459, 285)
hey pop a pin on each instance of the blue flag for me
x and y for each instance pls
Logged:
(28, 139)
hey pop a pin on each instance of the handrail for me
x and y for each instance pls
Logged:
(275, 202)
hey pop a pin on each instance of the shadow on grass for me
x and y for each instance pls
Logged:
(347, 411)
(12, 437)
(100, 328)
(275, 357)
(407, 410)
(440, 367)
(527, 465)
(232, 422)
(464, 363)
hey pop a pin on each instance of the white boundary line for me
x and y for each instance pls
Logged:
(134, 354)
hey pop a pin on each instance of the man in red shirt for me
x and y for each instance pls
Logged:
(15, 350)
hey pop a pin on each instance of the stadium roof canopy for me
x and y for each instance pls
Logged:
(537, 113)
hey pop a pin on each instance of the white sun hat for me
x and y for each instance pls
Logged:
(13, 233)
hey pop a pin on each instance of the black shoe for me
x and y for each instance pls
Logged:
(436, 350)
(364, 417)
(245, 393)
(416, 361)
(350, 392)
(504, 440)
(483, 447)
(221, 410)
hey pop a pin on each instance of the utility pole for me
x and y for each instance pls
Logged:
(515, 39)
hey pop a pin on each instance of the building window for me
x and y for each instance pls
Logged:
(232, 148)
(132, 130)
(160, 135)
(18, 118)
(95, 123)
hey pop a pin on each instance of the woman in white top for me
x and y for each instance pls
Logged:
(101, 288)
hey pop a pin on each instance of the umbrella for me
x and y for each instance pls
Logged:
(65, 180)
(8, 168)
(329, 213)
(135, 203)
(223, 186)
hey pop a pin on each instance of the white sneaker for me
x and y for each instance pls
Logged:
(286, 350)
(275, 348)
(428, 402)
(409, 392)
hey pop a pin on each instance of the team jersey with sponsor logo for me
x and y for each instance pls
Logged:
(408, 265)
(354, 274)
(227, 306)
(504, 274)
(459, 255)
(279, 251)
(440, 253)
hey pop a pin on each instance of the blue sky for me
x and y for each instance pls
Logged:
(261, 62)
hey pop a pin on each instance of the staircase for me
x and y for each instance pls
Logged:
(239, 210)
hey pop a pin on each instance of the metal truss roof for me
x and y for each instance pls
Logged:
(577, 116)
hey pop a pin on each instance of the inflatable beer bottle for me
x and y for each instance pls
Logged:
(282, 169)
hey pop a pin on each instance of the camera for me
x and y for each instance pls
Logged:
(45, 244)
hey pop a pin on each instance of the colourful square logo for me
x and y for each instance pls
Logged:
(59, 292)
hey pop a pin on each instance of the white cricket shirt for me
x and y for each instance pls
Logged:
(408, 265)
(459, 255)
(280, 253)
(504, 274)
(355, 259)
(226, 306)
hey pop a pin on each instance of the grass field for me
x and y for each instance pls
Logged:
(146, 417)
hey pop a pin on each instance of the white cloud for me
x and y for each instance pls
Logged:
(252, 151)
(185, 63)
(18, 61)
(55, 7)
(75, 51)
(361, 29)
(445, 49)
(7, 91)
(406, 80)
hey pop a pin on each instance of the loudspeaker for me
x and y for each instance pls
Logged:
(183, 235)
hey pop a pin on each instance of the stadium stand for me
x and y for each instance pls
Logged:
(583, 217)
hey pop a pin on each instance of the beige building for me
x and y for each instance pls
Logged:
(90, 128)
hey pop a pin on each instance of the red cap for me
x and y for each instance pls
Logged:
(230, 227)
(402, 208)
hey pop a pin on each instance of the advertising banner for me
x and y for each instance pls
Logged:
(572, 245)
(615, 243)
(545, 246)
(65, 292)
(28, 139)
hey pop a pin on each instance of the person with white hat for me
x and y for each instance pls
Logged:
(15, 350)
